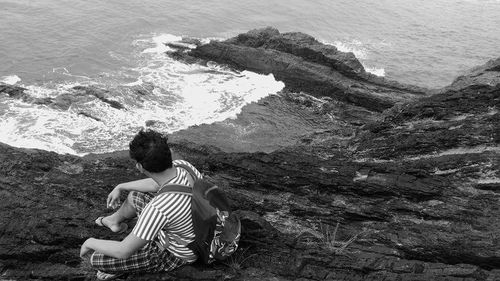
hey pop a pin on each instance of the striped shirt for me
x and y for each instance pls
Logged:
(167, 218)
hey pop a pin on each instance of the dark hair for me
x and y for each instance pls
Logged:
(151, 150)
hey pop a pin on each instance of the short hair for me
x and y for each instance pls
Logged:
(151, 150)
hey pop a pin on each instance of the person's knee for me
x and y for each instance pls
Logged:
(92, 258)
(132, 195)
(137, 200)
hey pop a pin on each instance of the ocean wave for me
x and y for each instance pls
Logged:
(157, 92)
(376, 71)
(206, 93)
(160, 42)
(361, 52)
(33, 128)
(355, 46)
(10, 80)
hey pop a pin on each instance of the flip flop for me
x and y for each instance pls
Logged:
(123, 226)
(107, 276)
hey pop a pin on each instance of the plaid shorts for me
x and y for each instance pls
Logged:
(140, 200)
(150, 258)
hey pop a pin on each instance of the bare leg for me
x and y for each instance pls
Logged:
(126, 211)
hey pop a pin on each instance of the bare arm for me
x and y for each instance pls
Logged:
(116, 249)
(143, 185)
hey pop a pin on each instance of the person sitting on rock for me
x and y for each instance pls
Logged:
(164, 226)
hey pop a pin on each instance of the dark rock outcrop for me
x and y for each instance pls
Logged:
(100, 94)
(305, 64)
(282, 120)
(65, 100)
(487, 74)
(416, 187)
(16, 92)
(11, 91)
(337, 95)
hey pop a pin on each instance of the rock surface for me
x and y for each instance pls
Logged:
(412, 176)
(305, 64)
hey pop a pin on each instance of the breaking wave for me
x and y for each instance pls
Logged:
(10, 80)
(157, 92)
(361, 52)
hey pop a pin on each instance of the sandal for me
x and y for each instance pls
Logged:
(122, 229)
(107, 276)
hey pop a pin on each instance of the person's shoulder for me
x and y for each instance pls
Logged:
(188, 167)
(184, 163)
(180, 162)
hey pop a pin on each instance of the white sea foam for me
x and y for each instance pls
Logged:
(33, 128)
(360, 52)
(177, 95)
(197, 94)
(202, 94)
(376, 71)
(355, 46)
(10, 80)
(135, 83)
(159, 42)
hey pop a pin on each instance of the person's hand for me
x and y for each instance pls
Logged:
(113, 200)
(85, 249)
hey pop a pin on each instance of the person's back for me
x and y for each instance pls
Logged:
(176, 209)
(164, 226)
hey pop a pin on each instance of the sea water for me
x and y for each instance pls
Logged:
(50, 46)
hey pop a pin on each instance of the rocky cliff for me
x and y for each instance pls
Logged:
(342, 176)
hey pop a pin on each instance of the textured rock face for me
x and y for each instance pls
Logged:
(487, 74)
(76, 98)
(416, 186)
(305, 64)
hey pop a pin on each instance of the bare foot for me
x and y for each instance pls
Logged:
(113, 226)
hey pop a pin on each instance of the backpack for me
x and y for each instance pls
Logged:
(217, 230)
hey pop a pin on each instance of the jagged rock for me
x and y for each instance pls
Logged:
(454, 119)
(19, 93)
(89, 115)
(11, 90)
(101, 94)
(153, 123)
(416, 187)
(301, 45)
(191, 41)
(62, 101)
(66, 100)
(144, 89)
(282, 120)
(305, 64)
(487, 74)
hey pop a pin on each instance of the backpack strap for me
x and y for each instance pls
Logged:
(190, 170)
(175, 188)
(179, 188)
